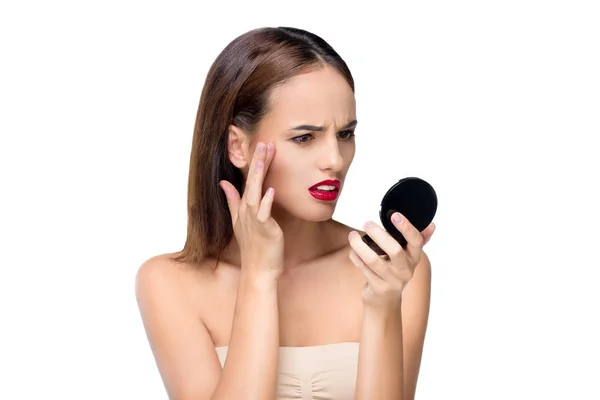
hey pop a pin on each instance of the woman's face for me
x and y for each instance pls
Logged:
(311, 124)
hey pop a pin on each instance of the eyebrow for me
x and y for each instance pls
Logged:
(320, 128)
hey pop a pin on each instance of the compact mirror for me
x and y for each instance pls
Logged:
(412, 197)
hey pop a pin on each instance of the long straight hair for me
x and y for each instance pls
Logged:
(236, 91)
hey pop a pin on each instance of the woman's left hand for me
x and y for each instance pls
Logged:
(386, 279)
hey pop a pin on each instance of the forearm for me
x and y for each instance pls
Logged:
(250, 371)
(380, 362)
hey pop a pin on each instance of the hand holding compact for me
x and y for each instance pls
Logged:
(407, 211)
(388, 276)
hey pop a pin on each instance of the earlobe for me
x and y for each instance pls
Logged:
(237, 146)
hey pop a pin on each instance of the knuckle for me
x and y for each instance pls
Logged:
(371, 260)
(418, 241)
(395, 253)
(243, 208)
(251, 204)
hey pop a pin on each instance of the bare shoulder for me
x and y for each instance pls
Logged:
(161, 273)
(181, 344)
(158, 272)
(161, 279)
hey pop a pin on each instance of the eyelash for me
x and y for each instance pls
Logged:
(295, 139)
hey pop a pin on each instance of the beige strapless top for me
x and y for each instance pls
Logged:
(326, 372)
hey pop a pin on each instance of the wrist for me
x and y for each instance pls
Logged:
(382, 309)
(258, 280)
(382, 320)
(381, 304)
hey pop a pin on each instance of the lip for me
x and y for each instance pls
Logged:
(328, 182)
(326, 195)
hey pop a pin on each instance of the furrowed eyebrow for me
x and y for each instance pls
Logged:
(320, 128)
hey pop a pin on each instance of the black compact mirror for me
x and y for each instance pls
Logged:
(412, 197)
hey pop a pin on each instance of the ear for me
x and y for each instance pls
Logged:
(237, 146)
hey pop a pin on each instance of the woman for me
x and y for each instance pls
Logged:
(271, 298)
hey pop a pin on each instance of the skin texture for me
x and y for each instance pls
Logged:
(329, 289)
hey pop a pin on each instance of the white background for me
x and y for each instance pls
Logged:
(496, 104)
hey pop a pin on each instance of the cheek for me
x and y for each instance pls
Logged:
(274, 173)
(282, 174)
(348, 153)
(351, 150)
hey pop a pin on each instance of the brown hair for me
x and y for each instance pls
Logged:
(236, 91)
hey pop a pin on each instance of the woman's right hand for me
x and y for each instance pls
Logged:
(259, 236)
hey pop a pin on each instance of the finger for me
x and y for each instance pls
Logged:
(233, 199)
(270, 150)
(364, 268)
(385, 241)
(368, 256)
(253, 190)
(427, 233)
(264, 211)
(399, 264)
(412, 235)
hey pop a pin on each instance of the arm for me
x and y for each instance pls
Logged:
(392, 342)
(250, 371)
(183, 349)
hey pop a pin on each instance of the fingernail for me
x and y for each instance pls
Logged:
(260, 147)
(269, 147)
(397, 218)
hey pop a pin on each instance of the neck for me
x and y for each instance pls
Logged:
(304, 240)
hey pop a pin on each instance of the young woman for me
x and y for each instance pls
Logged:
(271, 298)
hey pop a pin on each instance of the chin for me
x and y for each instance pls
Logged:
(318, 210)
(309, 209)
(319, 215)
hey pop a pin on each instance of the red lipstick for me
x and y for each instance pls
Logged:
(326, 190)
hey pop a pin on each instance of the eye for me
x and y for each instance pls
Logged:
(347, 135)
(302, 138)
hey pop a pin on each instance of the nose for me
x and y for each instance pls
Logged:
(331, 158)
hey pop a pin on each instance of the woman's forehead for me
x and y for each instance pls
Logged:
(321, 97)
